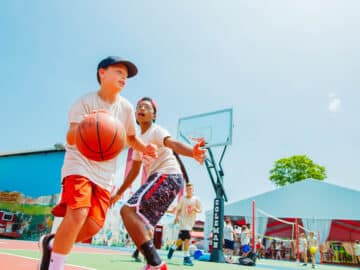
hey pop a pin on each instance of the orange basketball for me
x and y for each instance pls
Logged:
(100, 136)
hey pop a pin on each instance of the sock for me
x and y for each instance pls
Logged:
(150, 253)
(186, 254)
(57, 261)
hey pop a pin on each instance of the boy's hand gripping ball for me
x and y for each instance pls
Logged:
(100, 136)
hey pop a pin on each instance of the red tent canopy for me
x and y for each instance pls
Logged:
(341, 230)
(344, 230)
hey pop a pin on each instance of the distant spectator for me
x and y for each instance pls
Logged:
(259, 247)
(245, 240)
(312, 244)
(303, 248)
(278, 246)
(357, 251)
(228, 239)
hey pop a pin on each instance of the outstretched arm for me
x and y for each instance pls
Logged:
(133, 173)
(198, 208)
(138, 145)
(196, 152)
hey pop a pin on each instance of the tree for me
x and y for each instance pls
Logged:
(295, 169)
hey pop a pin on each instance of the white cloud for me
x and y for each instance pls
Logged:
(334, 103)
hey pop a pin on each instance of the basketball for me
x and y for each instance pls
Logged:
(100, 136)
(313, 250)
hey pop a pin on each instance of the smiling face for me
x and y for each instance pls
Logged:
(114, 77)
(145, 112)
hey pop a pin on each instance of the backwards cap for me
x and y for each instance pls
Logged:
(113, 60)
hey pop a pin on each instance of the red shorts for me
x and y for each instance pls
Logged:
(79, 192)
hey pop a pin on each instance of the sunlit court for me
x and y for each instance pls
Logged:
(24, 255)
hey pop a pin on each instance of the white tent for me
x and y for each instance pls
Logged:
(316, 203)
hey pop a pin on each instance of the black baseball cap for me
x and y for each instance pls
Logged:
(113, 60)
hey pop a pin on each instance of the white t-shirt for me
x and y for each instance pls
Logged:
(101, 173)
(245, 237)
(166, 161)
(312, 241)
(228, 232)
(302, 244)
(187, 217)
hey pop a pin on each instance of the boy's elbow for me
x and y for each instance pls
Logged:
(130, 139)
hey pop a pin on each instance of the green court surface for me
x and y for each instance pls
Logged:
(103, 261)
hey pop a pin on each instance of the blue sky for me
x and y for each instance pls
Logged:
(289, 69)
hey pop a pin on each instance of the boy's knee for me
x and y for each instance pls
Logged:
(125, 210)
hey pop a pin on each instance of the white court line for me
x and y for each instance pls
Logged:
(20, 256)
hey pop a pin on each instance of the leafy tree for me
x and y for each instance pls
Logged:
(295, 169)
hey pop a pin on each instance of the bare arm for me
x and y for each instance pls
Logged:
(198, 208)
(130, 178)
(177, 216)
(178, 210)
(196, 152)
(138, 145)
(71, 133)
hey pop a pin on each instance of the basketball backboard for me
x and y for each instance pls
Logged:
(215, 127)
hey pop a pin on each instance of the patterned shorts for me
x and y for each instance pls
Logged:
(154, 197)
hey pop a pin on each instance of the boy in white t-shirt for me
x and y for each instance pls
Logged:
(86, 184)
(186, 211)
(303, 247)
(229, 234)
(165, 179)
(312, 246)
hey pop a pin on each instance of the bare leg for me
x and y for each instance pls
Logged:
(305, 257)
(178, 243)
(69, 229)
(135, 226)
(88, 230)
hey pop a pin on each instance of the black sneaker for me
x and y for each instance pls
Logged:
(170, 253)
(45, 251)
(187, 261)
(135, 255)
